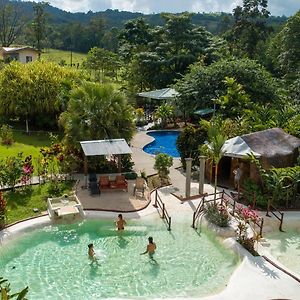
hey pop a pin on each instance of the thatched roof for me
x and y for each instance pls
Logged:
(272, 142)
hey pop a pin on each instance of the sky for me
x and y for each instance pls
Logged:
(276, 7)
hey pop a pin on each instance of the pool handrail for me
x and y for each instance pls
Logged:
(273, 210)
(165, 215)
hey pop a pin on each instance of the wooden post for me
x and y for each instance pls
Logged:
(188, 177)
(201, 174)
(169, 228)
(163, 211)
(261, 227)
(85, 167)
(119, 163)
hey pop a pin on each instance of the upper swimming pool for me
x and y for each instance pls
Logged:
(164, 142)
(53, 262)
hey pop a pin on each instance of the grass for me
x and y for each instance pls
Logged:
(22, 201)
(27, 144)
(57, 56)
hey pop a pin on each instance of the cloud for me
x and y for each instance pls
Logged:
(277, 7)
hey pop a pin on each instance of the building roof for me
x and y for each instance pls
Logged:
(17, 49)
(237, 147)
(268, 143)
(105, 147)
(163, 94)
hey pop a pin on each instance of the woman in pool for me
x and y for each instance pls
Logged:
(151, 247)
(120, 222)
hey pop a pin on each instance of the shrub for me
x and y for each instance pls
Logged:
(217, 214)
(162, 164)
(11, 169)
(6, 135)
(131, 175)
(2, 210)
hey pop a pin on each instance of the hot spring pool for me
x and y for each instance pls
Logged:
(165, 142)
(285, 246)
(53, 262)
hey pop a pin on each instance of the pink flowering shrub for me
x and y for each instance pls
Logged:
(27, 170)
(245, 216)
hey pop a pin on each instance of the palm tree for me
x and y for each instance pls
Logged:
(214, 151)
(97, 112)
(165, 112)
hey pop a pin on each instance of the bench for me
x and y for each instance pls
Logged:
(120, 183)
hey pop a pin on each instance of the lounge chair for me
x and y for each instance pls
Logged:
(139, 186)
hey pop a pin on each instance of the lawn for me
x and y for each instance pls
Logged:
(28, 144)
(57, 56)
(20, 203)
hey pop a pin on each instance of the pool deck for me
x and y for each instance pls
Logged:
(254, 278)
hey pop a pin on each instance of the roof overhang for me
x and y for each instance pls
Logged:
(105, 147)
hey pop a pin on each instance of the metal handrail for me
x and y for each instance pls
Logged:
(273, 210)
(165, 215)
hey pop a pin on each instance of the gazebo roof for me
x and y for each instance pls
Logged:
(105, 147)
(163, 94)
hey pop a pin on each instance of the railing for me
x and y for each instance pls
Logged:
(159, 204)
(273, 210)
(198, 211)
(223, 196)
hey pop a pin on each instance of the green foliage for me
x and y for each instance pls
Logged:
(160, 55)
(6, 135)
(235, 101)
(165, 113)
(162, 164)
(202, 84)
(6, 291)
(253, 194)
(188, 142)
(96, 112)
(30, 90)
(131, 175)
(39, 25)
(250, 26)
(217, 214)
(11, 170)
(103, 60)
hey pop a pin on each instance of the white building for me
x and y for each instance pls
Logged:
(21, 54)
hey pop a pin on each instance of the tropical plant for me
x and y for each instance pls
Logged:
(11, 169)
(6, 292)
(164, 112)
(96, 112)
(188, 142)
(163, 162)
(246, 218)
(214, 150)
(217, 214)
(6, 135)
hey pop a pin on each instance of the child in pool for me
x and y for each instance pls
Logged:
(120, 222)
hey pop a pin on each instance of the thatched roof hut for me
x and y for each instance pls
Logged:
(273, 147)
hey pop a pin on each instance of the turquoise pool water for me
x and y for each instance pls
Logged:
(285, 246)
(53, 262)
(165, 142)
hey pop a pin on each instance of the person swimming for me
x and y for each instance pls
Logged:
(151, 247)
(91, 252)
(120, 222)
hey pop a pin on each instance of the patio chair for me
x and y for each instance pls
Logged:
(121, 182)
(104, 183)
(139, 186)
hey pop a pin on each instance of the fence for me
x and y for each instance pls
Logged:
(159, 204)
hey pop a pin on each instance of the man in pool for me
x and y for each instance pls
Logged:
(91, 252)
(151, 247)
(120, 222)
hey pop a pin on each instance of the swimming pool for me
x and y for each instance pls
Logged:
(53, 262)
(285, 247)
(165, 142)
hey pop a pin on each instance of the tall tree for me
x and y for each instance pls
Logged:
(96, 112)
(39, 25)
(11, 23)
(250, 25)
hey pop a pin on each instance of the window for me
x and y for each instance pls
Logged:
(28, 59)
